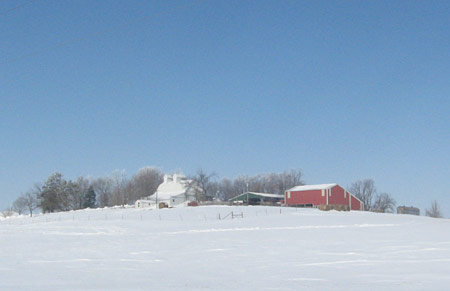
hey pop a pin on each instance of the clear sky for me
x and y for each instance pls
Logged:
(344, 90)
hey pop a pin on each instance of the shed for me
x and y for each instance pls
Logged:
(321, 194)
(408, 210)
(254, 198)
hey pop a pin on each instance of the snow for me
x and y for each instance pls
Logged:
(267, 195)
(260, 194)
(270, 248)
(312, 187)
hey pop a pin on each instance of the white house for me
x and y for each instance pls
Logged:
(174, 191)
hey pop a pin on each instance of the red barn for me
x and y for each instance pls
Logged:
(323, 194)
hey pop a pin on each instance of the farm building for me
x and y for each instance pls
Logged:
(174, 191)
(254, 198)
(408, 210)
(322, 195)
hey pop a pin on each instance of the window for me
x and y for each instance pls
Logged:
(289, 194)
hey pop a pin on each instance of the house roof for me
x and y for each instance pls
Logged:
(312, 187)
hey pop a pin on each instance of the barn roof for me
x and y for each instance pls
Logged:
(312, 187)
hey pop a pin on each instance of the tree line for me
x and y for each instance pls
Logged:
(208, 185)
(58, 194)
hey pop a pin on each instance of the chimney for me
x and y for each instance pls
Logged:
(166, 179)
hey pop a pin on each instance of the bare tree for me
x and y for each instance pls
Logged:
(214, 190)
(275, 183)
(202, 184)
(120, 194)
(7, 212)
(289, 179)
(384, 203)
(145, 182)
(30, 199)
(74, 196)
(241, 185)
(434, 211)
(76, 192)
(82, 185)
(259, 183)
(19, 205)
(226, 190)
(103, 189)
(365, 191)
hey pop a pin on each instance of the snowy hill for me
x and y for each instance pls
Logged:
(269, 248)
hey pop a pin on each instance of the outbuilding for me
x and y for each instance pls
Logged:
(321, 195)
(254, 198)
(408, 210)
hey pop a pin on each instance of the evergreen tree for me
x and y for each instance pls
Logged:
(53, 195)
(89, 198)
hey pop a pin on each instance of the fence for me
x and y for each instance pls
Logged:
(207, 213)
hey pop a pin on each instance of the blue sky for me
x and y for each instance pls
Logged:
(344, 90)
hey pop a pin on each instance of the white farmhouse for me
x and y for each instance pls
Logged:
(175, 191)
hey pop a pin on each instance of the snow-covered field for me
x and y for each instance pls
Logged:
(270, 248)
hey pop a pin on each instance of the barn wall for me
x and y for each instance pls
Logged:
(306, 197)
(338, 196)
(356, 205)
